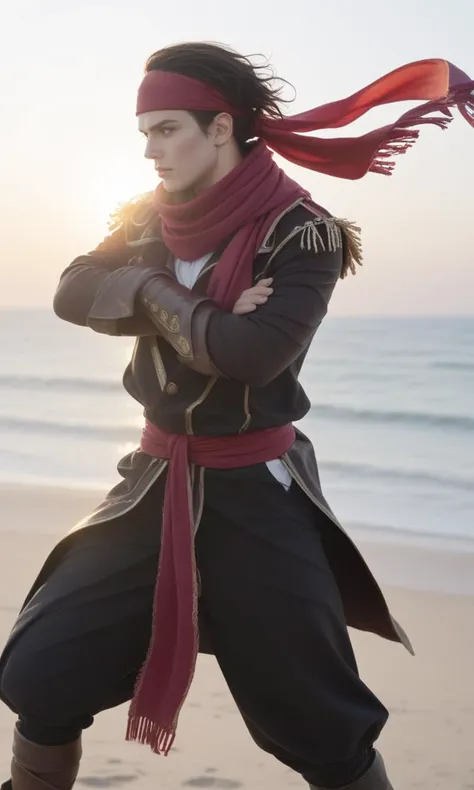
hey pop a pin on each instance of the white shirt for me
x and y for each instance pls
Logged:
(187, 274)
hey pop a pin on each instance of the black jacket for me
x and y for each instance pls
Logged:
(197, 369)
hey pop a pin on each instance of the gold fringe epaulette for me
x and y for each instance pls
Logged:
(352, 246)
(136, 212)
(340, 233)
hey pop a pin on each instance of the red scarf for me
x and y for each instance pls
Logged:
(240, 207)
(243, 205)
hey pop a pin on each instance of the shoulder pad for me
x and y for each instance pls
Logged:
(136, 211)
(321, 232)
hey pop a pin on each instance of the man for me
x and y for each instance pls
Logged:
(223, 275)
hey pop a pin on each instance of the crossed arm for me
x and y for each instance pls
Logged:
(254, 344)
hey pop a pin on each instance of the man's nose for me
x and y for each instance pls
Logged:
(153, 150)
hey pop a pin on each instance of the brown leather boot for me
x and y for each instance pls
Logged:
(36, 767)
(374, 779)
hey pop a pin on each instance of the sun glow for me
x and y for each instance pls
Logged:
(118, 182)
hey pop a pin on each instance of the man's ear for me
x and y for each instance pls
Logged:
(222, 128)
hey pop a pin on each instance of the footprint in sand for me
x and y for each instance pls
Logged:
(212, 782)
(107, 781)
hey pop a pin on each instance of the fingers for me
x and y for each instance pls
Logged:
(257, 297)
(253, 297)
(248, 305)
(243, 309)
(261, 289)
(248, 302)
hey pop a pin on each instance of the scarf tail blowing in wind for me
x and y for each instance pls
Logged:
(438, 83)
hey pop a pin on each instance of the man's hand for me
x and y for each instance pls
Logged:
(249, 300)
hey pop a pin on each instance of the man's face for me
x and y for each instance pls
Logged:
(184, 156)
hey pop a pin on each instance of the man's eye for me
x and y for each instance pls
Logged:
(167, 131)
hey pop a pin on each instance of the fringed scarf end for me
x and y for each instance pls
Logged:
(402, 137)
(159, 738)
(463, 98)
(400, 141)
(467, 110)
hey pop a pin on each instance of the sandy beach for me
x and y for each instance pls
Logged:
(428, 742)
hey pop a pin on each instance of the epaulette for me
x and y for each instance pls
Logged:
(340, 233)
(136, 212)
(318, 231)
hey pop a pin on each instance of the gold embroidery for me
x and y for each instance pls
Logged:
(268, 244)
(200, 499)
(172, 323)
(183, 347)
(272, 227)
(340, 234)
(188, 415)
(274, 254)
(248, 416)
(158, 362)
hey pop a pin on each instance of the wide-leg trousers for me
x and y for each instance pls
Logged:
(269, 604)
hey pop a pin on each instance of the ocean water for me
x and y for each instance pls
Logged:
(392, 417)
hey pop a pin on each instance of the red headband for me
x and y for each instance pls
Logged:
(440, 84)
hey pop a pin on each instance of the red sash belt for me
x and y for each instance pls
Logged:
(169, 668)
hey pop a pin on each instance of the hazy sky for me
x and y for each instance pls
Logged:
(70, 150)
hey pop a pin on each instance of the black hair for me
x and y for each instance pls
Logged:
(248, 87)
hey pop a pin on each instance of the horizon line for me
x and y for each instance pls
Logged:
(49, 309)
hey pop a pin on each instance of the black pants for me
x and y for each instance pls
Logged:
(269, 604)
